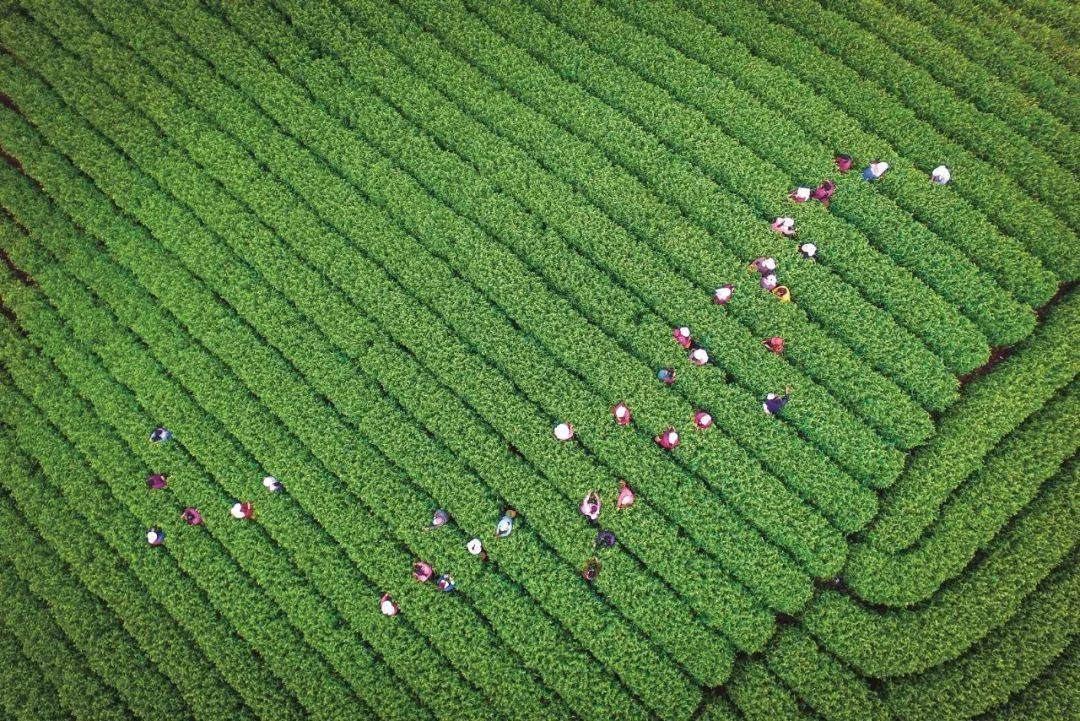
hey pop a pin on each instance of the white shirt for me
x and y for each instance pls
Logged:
(941, 175)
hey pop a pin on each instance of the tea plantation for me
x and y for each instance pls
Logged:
(539, 359)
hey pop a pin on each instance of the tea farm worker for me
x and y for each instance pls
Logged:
(387, 605)
(785, 226)
(590, 505)
(941, 175)
(825, 191)
(160, 435)
(800, 194)
(763, 265)
(875, 170)
(723, 294)
(682, 336)
(438, 519)
(621, 413)
(563, 431)
(668, 440)
(191, 516)
(505, 526)
(774, 403)
(241, 511)
(476, 547)
(155, 536)
(422, 571)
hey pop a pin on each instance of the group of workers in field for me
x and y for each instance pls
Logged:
(590, 506)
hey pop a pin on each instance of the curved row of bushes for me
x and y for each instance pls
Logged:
(1009, 477)
(1047, 696)
(999, 665)
(893, 643)
(992, 407)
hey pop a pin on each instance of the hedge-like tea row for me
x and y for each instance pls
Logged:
(911, 40)
(399, 654)
(949, 216)
(1000, 664)
(25, 692)
(894, 643)
(746, 419)
(1048, 695)
(83, 694)
(985, 136)
(171, 650)
(1003, 55)
(240, 351)
(316, 683)
(1005, 483)
(759, 696)
(712, 210)
(318, 294)
(747, 343)
(991, 407)
(731, 172)
(90, 625)
(1011, 29)
(820, 680)
(999, 197)
(1052, 13)
(772, 155)
(486, 337)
